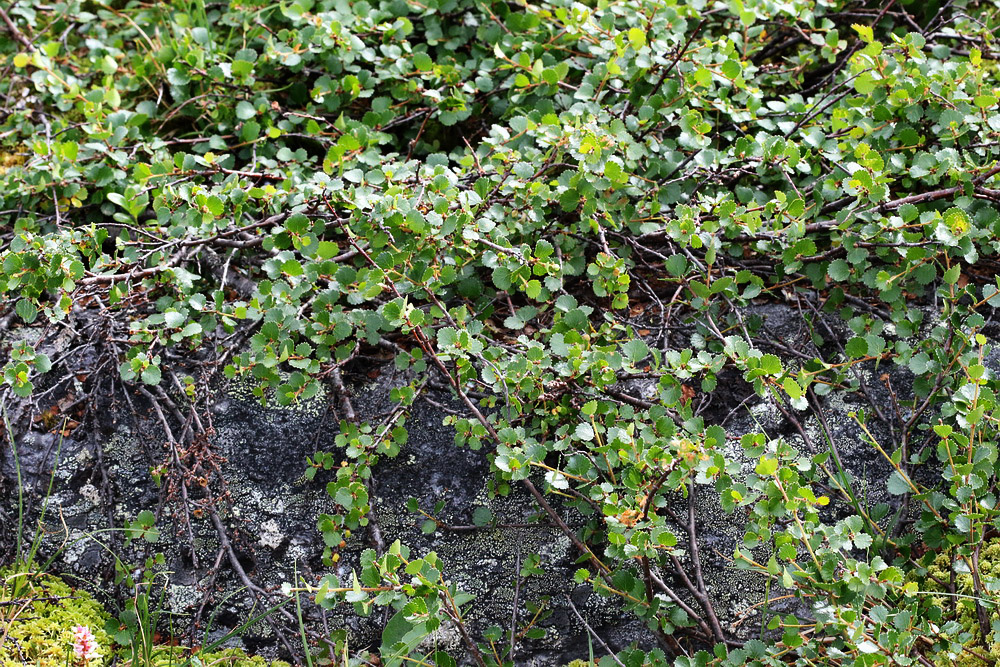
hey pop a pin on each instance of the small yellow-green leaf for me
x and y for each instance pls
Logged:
(637, 38)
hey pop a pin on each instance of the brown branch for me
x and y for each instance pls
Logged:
(172, 443)
(681, 603)
(701, 594)
(17, 34)
(108, 279)
(266, 222)
(258, 593)
(345, 400)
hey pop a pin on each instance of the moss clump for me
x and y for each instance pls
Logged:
(946, 568)
(37, 629)
(176, 656)
(8, 160)
(37, 616)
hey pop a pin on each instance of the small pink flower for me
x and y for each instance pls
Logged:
(84, 645)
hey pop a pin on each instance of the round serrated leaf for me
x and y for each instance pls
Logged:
(245, 110)
(151, 375)
(856, 348)
(26, 310)
(839, 270)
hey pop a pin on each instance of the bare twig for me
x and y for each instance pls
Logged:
(593, 634)
(13, 30)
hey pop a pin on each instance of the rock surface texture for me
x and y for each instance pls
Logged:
(263, 532)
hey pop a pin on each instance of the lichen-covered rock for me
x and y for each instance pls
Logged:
(271, 508)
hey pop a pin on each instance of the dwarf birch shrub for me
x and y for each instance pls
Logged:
(532, 205)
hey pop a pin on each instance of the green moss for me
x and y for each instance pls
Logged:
(37, 616)
(37, 628)
(175, 656)
(945, 569)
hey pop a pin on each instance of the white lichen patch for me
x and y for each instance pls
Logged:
(241, 389)
(91, 494)
(181, 598)
(299, 552)
(270, 534)
(556, 548)
(447, 638)
(76, 546)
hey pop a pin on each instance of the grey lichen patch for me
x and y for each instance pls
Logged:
(556, 548)
(76, 546)
(486, 562)
(299, 552)
(242, 389)
(91, 494)
(261, 510)
(445, 638)
(269, 535)
(182, 599)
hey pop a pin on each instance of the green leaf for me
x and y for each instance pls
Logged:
(865, 83)
(215, 206)
(23, 389)
(42, 363)
(766, 466)
(731, 69)
(770, 365)
(635, 350)
(839, 270)
(985, 101)
(422, 62)
(875, 345)
(864, 32)
(191, 329)
(897, 485)
(543, 249)
(482, 516)
(151, 375)
(676, 265)
(856, 348)
(250, 131)
(957, 221)
(327, 249)
(792, 388)
(26, 310)
(637, 38)
(297, 223)
(245, 110)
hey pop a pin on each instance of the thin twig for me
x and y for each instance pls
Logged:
(17, 34)
(594, 634)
